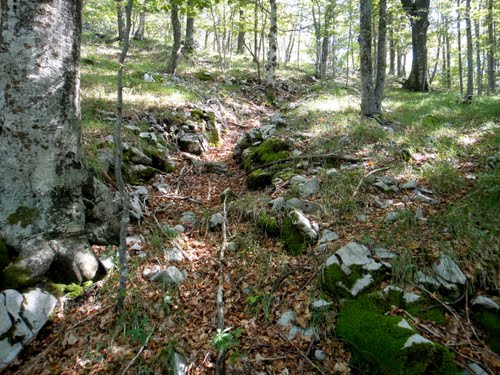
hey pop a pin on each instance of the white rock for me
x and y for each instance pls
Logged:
(384, 253)
(332, 259)
(474, 369)
(188, 218)
(361, 284)
(391, 217)
(321, 304)
(179, 365)
(174, 255)
(328, 236)
(37, 307)
(303, 224)
(8, 352)
(278, 204)
(404, 324)
(448, 270)
(331, 172)
(416, 339)
(216, 221)
(5, 322)
(172, 275)
(287, 318)
(148, 78)
(356, 254)
(486, 302)
(424, 199)
(309, 187)
(411, 184)
(267, 131)
(298, 179)
(179, 228)
(319, 355)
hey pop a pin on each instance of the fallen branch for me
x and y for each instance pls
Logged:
(311, 157)
(137, 355)
(182, 198)
(364, 177)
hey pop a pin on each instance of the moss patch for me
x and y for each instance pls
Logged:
(268, 224)
(377, 342)
(333, 275)
(294, 240)
(4, 254)
(23, 216)
(259, 179)
(489, 321)
(15, 277)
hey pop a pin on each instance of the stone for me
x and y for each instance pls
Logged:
(278, 120)
(424, 199)
(174, 254)
(382, 186)
(319, 355)
(303, 205)
(362, 218)
(5, 322)
(298, 179)
(331, 260)
(37, 255)
(278, 204)
(138, 157)
(8, 352)
(328, 236)
(148, 78)
(350, 167)
(148, 135)
(419, 214)
(193, 143)
(37, 307)
(267, 131)
(409, 185)
(356, 254)
(188, 218)
(486, 302)
(302, 223)
(163, 188)
(433, 281)
(474, 369)
(321, 304)
(382, 203)
(179, 364)
(383, 254)
(287, 318)
(179, 228)
(404, 324)
(172, 275)
(332, 171)
(309, 187)
(107, 262)
(233, 246)
(296, 152)
(446, 269)
(210, 167)
(416, 339)
(216, 221)
(391, 217)
(361, 284)
(135, 242)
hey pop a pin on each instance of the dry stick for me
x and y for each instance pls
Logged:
(303, 157)
(219, 365)
(302, 354)
(364, 177)
(182, 198)
(137, 355)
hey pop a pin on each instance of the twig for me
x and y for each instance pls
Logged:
(182, 198)
(364, 177)
(303, 157)
(138, 354)
(302, 354)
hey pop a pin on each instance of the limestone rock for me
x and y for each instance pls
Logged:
(328, 236)
(172, 275)
(356, 254)
(37, 307)
(303, 224)
(486, 302)
(446, 269)
(216, 221)
(309, 187)
(193, 143)
(174, 254)
(179, 364)
(188, 218)
(303, 205)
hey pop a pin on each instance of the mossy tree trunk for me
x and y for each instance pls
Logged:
(40, 134)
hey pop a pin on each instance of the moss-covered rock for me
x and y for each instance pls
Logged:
(4, 254)
(259, 179)
(337, 283)
(24, 216)
(271, 150)
(138, 174)
(294, 240)
(159, 161)
(15, 277)
(489, 321)
(268, 224)
(387, 344)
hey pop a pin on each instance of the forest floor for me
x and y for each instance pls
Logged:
(432, 138)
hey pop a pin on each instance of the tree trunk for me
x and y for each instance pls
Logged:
(479, 70)
(176, 47)
(434, 70)
(325, 43)
(448, 55)
(381, 55)
(189, 44)
(459, 40)
(368, 102)
(392, 48)
(120, 19)
(491, 51)
(240, 48)
(399, 59)
(470, 61)
(349, 41)
(139, 32)
(44, 178)
(271, 53)
(418, 12)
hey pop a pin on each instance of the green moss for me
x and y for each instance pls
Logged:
(15, 277)
(159, 161)
(23, 216)
(259, 179)
(138, 176)
(489, 321)
(422, 311)
(333, 274)
(295, 241)
(4, 254)
(272, 149)
(68, 290)
(377, 343)
(268, 224)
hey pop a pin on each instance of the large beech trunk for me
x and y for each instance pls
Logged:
(418, 11)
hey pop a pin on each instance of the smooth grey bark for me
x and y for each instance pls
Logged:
(325, 42)
(189, 39)
(491, 50)
(240, 47)
(459, 44)
(381, 55)
(392, 47)
(273, 48)
(368, 102)
(139, 32)
(40, 134)
(470, 60)
(479, 69)
(438, 52)
(120, 19)
(122, 249)
(45, 185)
(176, 47)
(418, 12)
(447, 63)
